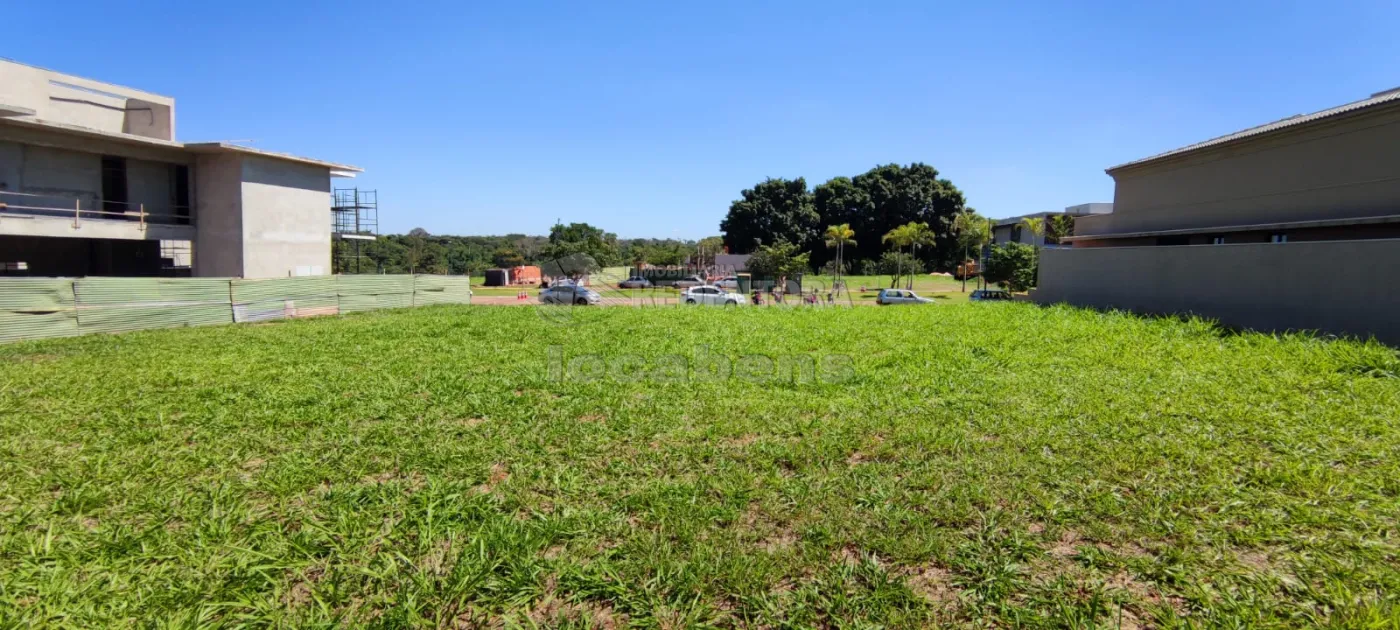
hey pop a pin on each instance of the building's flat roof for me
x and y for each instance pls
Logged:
(1377, 99)
(1252, 227)
(195, 147)
(221, 147)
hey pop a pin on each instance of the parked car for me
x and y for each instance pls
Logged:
(712, 295)
(570, 294)
(635, 282)
(989, 295)
(689, 282)
(899, 296)
(730, 283)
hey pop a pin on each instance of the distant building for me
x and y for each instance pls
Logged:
(1011, 229)
(94, 183)
(1294, 224)
(728, 264)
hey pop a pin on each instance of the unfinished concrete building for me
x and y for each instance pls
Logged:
(94, 183)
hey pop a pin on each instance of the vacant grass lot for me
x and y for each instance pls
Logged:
(982, 465)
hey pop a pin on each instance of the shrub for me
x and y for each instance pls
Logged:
(1012, 265)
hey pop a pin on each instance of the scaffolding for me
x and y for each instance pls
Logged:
(354, 222)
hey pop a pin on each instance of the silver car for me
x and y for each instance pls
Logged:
(635, 282)
(570, 294)
(899, 296)
(690, 281)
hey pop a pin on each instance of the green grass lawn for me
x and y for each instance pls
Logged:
(974, 464)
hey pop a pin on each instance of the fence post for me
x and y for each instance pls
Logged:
(77, 212)
(143, 216)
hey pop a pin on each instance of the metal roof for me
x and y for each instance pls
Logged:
(1379, 98)
(1251, 227)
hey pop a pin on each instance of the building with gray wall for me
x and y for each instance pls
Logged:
(1290, 225)
(93, 182)
(1011, 229)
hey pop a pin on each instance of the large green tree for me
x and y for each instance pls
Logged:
(774, 210)
(886, 197)
(577, 239)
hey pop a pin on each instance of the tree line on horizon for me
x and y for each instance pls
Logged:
(897, 220)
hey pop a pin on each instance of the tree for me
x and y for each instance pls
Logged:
(706, 250)
(779, 260)
(774, 210)
(1012, 265)
(899, 237)
(891, 264)
(419, 232)
(892, 195)
(1036, 225)
(973, 232)
(911, 235)
(919, 236)
(581, 238)
(505, 257)
(839, 236)
(1060, 226)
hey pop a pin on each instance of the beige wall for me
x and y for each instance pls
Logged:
(1344, 168)
(1340, 287)
(286, 218)
(73, 100)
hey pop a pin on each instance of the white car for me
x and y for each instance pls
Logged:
(690, 282)
(712, 295)
(730, 283)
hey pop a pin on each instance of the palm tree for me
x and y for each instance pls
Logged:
(1037, 227)
(1035, 224)
(899, 237)
(839, 236)
(974, 231)
(919, 234)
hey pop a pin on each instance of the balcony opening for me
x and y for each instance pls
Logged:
(114, 184)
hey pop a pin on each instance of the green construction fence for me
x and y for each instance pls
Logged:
(39, 308)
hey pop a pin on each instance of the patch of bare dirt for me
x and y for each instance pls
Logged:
(412, 481)
(934, 584)
(471, 422)
(300, 593)
(742, 441)
(498, 474)
(1067, 545)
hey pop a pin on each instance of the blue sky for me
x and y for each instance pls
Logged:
(648, 118)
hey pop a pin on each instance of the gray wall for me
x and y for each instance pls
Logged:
(286, 218)
(64, 175)
(1344, 287)
(218, 194)
(1344, 168)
